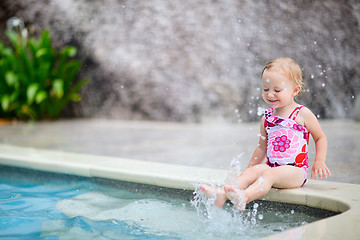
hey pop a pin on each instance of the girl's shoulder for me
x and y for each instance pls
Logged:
(305, 111)
(305, 114)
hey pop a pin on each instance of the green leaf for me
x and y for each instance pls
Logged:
(75, 97)
(70, 70)
(11, 79)
(5, 102)
(45, 40)
(42, 74)
(30, 92)
(7, 52)
(64, 54)
(33, 46)
(40, 96)
(79, 85)
(41, 52)
(14, 96)
(69, 51)
(14, 38)
(2, 46)
(27, 111)
(26, 61)
(12, 63)
(58, 86)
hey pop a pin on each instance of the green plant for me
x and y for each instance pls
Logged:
(36, 81)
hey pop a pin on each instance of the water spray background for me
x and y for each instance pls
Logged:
(200, 61)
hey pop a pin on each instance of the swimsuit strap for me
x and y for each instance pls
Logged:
(294, 114)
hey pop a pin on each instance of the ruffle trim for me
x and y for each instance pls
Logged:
(285, 122)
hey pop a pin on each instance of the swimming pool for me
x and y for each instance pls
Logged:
(42, 205)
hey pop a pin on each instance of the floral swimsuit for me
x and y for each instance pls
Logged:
(287, 141)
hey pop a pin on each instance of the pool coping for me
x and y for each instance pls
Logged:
(334, 196)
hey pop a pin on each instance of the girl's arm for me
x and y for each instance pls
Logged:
(260, 151)
(312, 124)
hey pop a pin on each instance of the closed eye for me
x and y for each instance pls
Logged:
(266, 89)
(277, 90)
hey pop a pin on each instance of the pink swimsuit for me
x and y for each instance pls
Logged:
(287, 142)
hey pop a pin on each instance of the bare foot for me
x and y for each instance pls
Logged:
(236, 196)
(211, 192)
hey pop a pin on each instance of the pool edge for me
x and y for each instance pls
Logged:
(339, 197)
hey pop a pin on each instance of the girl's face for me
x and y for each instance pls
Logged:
(278, 90)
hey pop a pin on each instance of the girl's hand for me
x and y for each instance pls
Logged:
(319, 169)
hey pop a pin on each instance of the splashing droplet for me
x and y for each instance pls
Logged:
(261, 180)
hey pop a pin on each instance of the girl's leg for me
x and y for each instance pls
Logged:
(250, 175)
(246, 178)
(280, 177)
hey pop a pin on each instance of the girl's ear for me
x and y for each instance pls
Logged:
(296, 90)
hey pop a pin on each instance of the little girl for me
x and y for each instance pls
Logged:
(285, 129)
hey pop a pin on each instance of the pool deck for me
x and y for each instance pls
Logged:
(210, 145)
(177, 155)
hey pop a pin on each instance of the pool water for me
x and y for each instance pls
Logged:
(40, 205)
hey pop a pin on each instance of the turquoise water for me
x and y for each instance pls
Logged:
(38, 205)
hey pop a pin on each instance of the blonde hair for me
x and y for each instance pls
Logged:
(288, 68)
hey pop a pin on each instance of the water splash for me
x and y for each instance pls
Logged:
(218, 221)
(235, 170)
(237, 114)
(261, 180)
(260, 111)
(254, 213)
(226, 220)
